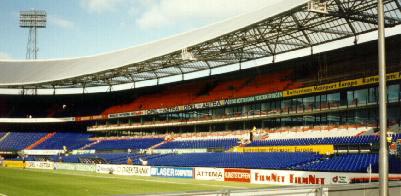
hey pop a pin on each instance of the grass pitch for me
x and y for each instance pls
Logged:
(35, 182)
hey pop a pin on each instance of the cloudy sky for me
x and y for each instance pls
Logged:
(87, 27)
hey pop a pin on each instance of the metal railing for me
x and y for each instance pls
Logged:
(311, 190)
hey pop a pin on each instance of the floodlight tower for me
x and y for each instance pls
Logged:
(33, 20)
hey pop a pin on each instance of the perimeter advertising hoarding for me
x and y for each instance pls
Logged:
(126, 170)
(287, 177)
(42, 152)
(237, 175)
(14, 164)
(206, 173)
(321, 149)
(39, 164)
(172, 172)
(75, 166)
(179, 151)
(340, 85)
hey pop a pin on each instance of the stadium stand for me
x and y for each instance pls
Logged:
(309, 141)
(70, 140)
(345, 163)
(305, 161)
(317, 131)
(20, 140)
(235, 160)
(277, 160)
(205, 91)
(304, 119)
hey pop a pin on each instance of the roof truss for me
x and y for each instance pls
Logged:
(292, 30)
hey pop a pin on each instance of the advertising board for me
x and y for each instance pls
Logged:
(39, 165)
(173, 172)
(287, 177)
(206, 173)
(321, 149)
(75, 166)
(237, 175)
(14, 164)
(127, 170)
(42, 152)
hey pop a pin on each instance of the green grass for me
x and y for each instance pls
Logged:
(34, 182)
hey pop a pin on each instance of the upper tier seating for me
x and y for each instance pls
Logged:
(133, 143)
(20, 140)
(204, 143)
(194, 92)
(71, 140)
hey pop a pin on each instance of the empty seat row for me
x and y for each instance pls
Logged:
(20, 140)
(311, 141)
(68, 139)
(204, 143)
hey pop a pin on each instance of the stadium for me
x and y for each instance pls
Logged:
(254, 105)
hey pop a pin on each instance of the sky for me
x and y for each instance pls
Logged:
(88, 27)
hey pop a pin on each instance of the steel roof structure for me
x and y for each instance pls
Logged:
(268, 32)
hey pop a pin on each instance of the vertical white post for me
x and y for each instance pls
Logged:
(383, 152)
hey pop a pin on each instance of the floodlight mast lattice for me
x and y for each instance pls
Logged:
(32, 19)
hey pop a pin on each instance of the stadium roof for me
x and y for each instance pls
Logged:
(267, 32)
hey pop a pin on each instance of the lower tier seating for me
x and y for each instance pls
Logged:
(275, 160)
(20, 140)
(348, 163)
(313, 141)
(303, 161)
(204, 143)
(68, 139)
(351, 163)
(279, 160)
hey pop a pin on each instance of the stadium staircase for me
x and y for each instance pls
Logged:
(4, 136)
(157, 145)
(89, 145)
(40, 141)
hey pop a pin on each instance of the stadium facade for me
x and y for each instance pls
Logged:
(317, 113)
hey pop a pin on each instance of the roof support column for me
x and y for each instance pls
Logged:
(182, 73)
(383, 151)
(209, 67)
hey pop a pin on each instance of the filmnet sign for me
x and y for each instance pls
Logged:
(204, 173)
(237, 175)
(279, 177)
